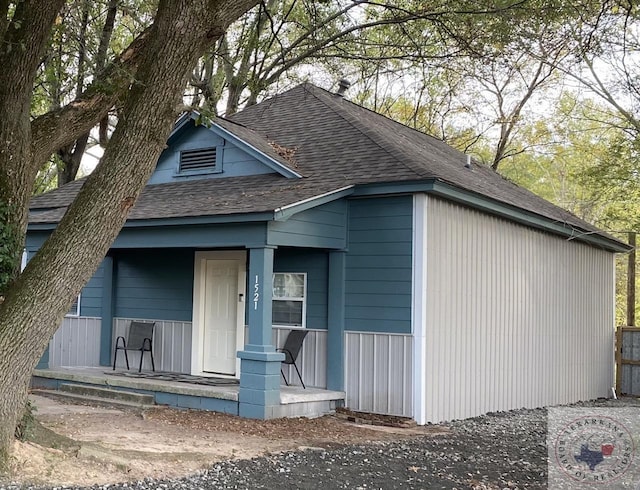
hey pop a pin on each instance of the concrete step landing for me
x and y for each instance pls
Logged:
(93, 395)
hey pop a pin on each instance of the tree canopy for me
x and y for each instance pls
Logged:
(544, 91)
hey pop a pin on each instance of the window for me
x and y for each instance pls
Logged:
(289, 299)
(75, 308)
(201, 160)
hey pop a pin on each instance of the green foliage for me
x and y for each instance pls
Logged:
(10, 252)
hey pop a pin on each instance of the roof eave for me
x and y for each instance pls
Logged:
(492, 206)
(178, 221)
(285, 212)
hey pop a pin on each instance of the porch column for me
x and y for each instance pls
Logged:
(259, 362)
(106, 324)
(43, 363)
(335, 320)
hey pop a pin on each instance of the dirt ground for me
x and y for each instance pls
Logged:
(85, 445)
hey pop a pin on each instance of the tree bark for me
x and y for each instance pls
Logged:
(35, 305)
(21, 49)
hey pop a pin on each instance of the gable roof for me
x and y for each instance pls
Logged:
(333, 143)
(245, 138)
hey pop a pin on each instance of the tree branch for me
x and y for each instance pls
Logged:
(58, 128)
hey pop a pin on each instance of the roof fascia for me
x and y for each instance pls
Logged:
(201, 220)
(180, 124)
(285, 212)
(492, 206)
(178, 221)
(254, 152)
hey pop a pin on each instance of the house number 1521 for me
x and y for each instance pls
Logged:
(256, 293)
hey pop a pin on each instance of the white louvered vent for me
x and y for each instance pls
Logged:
(200, 159)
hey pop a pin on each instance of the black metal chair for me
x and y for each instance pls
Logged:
(291, 349)
(140, 338)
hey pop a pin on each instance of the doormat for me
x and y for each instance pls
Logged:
(181, 378)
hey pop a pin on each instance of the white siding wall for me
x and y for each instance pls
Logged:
(171, 346)
(514, 317)
(312, 360)
(76, 343)
(378, 376)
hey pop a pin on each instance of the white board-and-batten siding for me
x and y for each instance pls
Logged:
(171, 345)
(513, 317)
(76, 343)
(378, 373)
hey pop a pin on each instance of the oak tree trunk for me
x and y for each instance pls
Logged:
(35, 302)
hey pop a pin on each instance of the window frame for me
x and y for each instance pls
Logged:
(70, 313)
(302, 299)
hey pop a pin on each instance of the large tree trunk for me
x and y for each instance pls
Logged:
(35, 303)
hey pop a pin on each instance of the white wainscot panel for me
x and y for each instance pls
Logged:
(378, 373)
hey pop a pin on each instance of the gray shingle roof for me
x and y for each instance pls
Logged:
(334, 143)
(363, 147)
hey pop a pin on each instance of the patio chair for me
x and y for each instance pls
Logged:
(140, 338)
(291, 349)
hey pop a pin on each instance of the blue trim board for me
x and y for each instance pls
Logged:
(106, 325)
(336, 316)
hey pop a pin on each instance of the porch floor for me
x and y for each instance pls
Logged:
(294, 400)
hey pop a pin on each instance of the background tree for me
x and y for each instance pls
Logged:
(146, 83)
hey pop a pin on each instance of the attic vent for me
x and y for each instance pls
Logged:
(200, 159)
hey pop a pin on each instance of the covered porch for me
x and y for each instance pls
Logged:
(208, 287)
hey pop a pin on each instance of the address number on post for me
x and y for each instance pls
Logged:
(256, 293)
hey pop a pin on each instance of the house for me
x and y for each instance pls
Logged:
(431, 287)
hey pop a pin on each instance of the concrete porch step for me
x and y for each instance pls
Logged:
(102, 397)
(111, 394)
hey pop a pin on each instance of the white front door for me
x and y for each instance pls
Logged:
(218, 327)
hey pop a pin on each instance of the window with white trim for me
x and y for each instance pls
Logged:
(75, 308)
(289, 299)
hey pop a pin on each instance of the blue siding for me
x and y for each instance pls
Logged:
(321, 227)
(316, 265)
(378, 265)
(91, 296)
(230, 159)
(154, 284)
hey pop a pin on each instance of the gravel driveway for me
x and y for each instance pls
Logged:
(495, 451)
